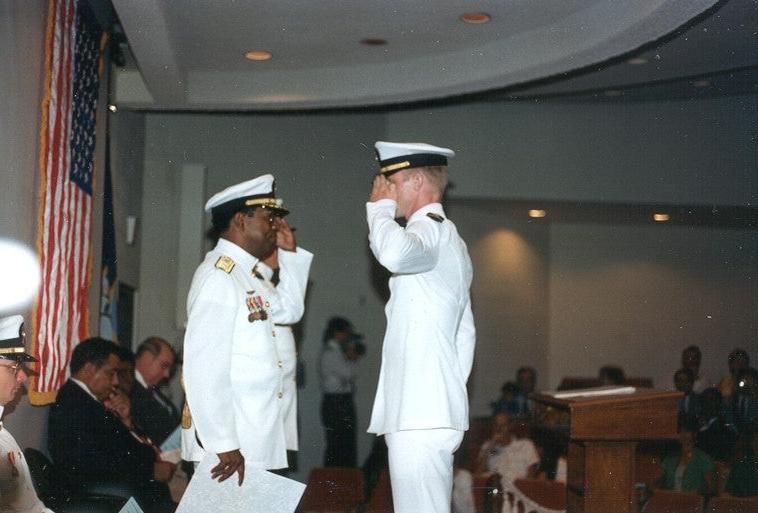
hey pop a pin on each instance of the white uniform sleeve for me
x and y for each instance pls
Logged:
(410, 250)
(465, 340)
(207, 361)
(288, 304)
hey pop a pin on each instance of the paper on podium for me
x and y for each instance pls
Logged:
(261, 492)
(593, 392)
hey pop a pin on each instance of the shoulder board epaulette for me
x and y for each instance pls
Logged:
(225, 263)
(435, 217)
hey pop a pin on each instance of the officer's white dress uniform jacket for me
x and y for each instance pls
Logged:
(287, 350)
(17, 493)
(286, 347)
(428, 348)
(233, 374)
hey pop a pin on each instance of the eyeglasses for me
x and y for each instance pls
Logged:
(269, 215)
(15, 367)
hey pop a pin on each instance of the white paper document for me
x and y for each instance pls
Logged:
(173, 441)
(174, 456)
(593, 392)
(261, 492)
(131, 506)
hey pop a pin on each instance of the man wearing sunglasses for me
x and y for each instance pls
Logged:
(233, 372)
(16, 489)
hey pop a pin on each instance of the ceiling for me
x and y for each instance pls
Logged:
(189, 54)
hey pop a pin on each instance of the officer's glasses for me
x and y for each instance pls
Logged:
(13, 368)
(267, 214)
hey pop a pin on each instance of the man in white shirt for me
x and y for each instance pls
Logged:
(338, 367)
(17, 493)
(421, 404)
(233, 373)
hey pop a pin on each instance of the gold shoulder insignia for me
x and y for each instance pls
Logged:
(225, 263)
(435, 217)
(186, 417)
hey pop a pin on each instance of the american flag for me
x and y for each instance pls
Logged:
(67, 144)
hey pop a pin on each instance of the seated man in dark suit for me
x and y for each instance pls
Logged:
(152, 410)
(91, 443)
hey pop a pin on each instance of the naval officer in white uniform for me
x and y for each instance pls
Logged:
(285, 345)
(421, 405)
(17, 493)
(233, 374)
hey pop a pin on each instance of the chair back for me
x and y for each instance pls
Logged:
(381, 499)
(43, 477)
(733, 505)
(549, 495)
(488, 498)
(332, 489)
(668, 501)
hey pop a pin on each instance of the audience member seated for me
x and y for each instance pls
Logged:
(690, 403)
(519, 459)
(689, 469)
(151, 410)
(509, 402)
(745, 404)
(715, 436)
(737, 361)
(691, 358)
(743, 476)
(526, 380)
(611, 375)
(505, 453)
(89, 436)
(125, 372)
(494, 446)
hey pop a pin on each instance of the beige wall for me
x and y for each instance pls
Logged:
(22, 29)
(637, 295)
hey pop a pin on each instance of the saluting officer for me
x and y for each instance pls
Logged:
(421, 404)
(233, 374)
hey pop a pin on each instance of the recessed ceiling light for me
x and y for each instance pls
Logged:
(661, 217)
(112, 108)
(373, 41)
(537, 213)
(637, 61)
(258, 55)
(475, 18)
(701, 83)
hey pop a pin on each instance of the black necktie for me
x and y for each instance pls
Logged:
(161, 399)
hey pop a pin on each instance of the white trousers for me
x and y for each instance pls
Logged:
(421, 469)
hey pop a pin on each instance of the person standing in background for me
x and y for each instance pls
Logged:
(291, 313)
(421, 404)
(692, 357)
(338, 366)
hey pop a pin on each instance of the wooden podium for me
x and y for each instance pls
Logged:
(603, 435)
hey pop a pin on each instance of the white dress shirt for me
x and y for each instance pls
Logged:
(337, 372)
